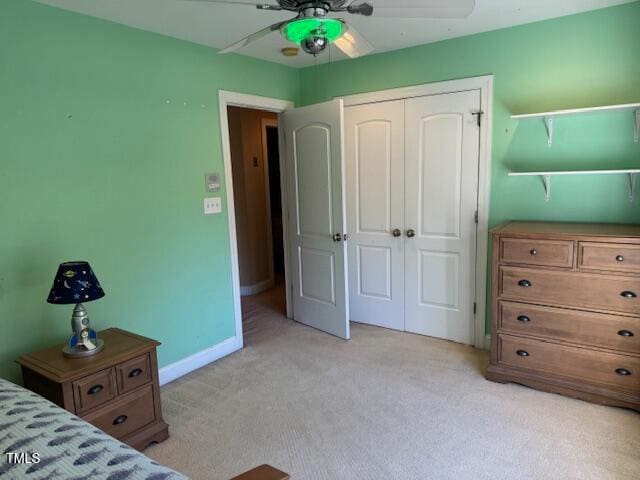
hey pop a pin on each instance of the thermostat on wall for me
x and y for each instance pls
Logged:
(212, 181)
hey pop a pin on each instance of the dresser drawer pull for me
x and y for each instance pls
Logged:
(120, 420)
(619, 258)
(533, 252)
(95, 389)
(522, 353)
(625, 333)
(623, 371)
(524, 319)
(524, 283)
(134, 373)
(628, 294)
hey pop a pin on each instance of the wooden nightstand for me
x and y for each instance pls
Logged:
(117, 390)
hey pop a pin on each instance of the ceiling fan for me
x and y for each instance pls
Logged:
(314, 30)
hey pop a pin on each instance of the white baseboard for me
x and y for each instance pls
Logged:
(197, 360)
(257, 288)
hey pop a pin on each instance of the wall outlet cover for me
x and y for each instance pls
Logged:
(212, 205)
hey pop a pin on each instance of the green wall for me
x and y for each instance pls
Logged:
(106, 132)
(581, 60)
(102, 160)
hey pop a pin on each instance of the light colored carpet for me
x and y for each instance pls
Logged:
(386, 405)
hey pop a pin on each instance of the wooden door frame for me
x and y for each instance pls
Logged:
(234, 99)
(485, 85)
(264, 124)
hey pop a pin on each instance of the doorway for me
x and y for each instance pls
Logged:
(257, 199)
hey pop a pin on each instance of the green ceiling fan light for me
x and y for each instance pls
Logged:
(298, 30)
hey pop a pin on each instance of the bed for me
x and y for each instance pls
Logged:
(41, 441)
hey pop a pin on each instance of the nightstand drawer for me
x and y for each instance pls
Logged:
(126, 415)
(133, 373)
(94, 390)
(595, 366)
(611, 256)
(537, 252)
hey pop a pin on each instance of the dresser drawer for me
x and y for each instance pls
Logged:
(588, 328)
(133, 373)
(549, 253)
(126, 415)
(610, 256)
(603, 368)
(94, 390)
(606, 292)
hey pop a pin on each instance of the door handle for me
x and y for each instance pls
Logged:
(337, 237)
(396, 232)
(411, 233)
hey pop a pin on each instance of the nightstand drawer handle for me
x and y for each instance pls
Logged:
(524, 319)
(628, 294)
(533, 252)
(623, 371)
(95, 389)
(619, 258)
(522, 353)
(120, 420)
(135, 373)
(625, 333)
(524, 283)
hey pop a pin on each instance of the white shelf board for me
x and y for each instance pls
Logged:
(573, 172)
(545, 176)
(575, 111)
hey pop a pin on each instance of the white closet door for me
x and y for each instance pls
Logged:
(314, 148)
(441, 188)
(374, 154)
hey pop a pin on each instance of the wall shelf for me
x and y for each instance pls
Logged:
(545, 176)
(548, 117)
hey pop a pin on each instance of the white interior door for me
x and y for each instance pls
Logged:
(441, 189)
(374, 156)
(315, 190)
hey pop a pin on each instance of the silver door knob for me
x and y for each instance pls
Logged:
(396, 232)
(337, 237)
(411, 233)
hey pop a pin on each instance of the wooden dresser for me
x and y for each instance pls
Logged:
(116, 390)
(566, 309)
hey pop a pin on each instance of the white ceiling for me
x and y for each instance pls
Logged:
(218, 25)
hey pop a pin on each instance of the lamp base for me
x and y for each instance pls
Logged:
(79, 351)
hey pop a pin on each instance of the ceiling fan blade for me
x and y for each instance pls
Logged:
(424, 8)
(260, 6)
(253, 37)
(353, 44)
(365, 9)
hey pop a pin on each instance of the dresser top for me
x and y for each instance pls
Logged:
(569, 229)
(119, 346)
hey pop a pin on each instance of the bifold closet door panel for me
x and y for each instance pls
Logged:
(441, 195)
(374, 151)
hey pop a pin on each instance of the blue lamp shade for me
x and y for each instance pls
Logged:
(75, 282)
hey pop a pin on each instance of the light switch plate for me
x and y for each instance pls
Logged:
(212, 182)
(212, 205)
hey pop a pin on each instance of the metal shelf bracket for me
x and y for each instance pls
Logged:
(636, 130)
(548, 123)
(546, 183)
(632, 186)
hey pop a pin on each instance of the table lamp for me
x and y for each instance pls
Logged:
(75, 282)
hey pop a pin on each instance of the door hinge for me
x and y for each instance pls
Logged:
(478, 115)
(475, 217)
(475, 307)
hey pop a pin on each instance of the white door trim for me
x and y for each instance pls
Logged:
(485, 85)
(227, 99)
